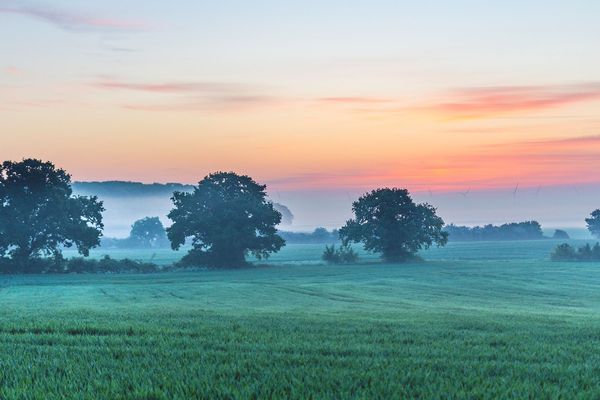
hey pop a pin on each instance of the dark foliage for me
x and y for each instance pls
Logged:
(528, 230)
(387, 221)
(59, 265)
(560, 234)
(593, 223)
(319, 235)
(343, 254)
(227, 216)
(39, 214)
(566, 252)
(148, 232)
(127, 189)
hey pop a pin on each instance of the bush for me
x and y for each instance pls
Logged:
(563, 252)
(79, 265)
(344, 254)
(566, 252)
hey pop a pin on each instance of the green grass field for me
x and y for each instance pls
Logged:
(476, 320)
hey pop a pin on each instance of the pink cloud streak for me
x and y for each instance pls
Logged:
(73, 21)
(167, 87)
(490, 101)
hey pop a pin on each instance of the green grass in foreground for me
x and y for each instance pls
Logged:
(519, 327)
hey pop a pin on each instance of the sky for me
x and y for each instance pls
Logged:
(308, 97)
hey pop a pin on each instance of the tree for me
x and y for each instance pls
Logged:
(38, 212)
(343, 254)
(389, 222)
(226, 216)
(147, 232)
(560, 234)
(593, 223)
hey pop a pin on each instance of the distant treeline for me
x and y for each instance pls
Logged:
(528, 230)
(128, 189)
(319, 235)
(155, 237)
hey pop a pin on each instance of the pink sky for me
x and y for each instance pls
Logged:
(306, 98)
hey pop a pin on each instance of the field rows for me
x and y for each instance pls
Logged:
(518, 328)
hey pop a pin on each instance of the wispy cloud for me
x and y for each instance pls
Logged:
(190, 96)
(12, 70)
(207, 103)
(70, 20)
(482, 102)
(576, 140)
(169, 87)
(552, 161)
(475, 102)
(354, 100)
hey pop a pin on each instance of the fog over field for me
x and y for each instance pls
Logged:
(553, 206)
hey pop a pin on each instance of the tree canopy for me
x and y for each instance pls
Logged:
(593, 223)
(226, 216)
(39, 214)
(389, 222)
(147, 232)
(527, 230)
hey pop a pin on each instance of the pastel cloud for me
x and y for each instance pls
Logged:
(190, 96)
(167, 87)
(485, 102)
(530, 163)
(12, 70)
(557, 161)
(71, 21)
(354, 100)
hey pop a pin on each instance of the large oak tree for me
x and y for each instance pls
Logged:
(39, 214)
(227, 216)
(387, 221)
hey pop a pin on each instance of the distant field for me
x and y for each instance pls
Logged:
(476, 320)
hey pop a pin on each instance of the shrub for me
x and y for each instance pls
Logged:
(79, 265)
(344, 254)
(566, 252)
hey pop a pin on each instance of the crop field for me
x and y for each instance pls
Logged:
(475, 320)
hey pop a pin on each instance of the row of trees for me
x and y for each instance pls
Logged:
(226, 217)
(527, 230)
(566, 252)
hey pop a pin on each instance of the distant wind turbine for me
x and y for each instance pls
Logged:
(349, 199)
(464, 194)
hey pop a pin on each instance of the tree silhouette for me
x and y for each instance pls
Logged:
(389, 222)
(593, 223)
(227, 216)
(147, 232)
(38, 212)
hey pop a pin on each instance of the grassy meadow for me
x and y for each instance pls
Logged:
(475, 320)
